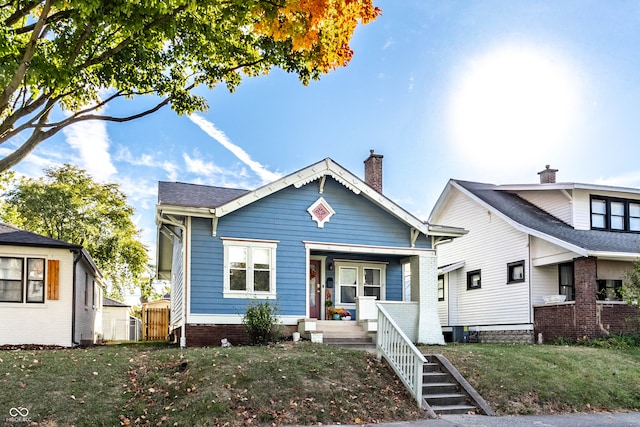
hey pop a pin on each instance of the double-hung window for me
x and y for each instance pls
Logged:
(249, 268)
(615, 214)
(565, 273)
(18, 285)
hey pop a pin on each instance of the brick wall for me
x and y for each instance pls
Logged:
(560, 321)
(619, 318)
(555, 321)
(210, 335)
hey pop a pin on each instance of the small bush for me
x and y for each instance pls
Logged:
(261, 322)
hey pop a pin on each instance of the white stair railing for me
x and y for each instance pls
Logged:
(404, 357)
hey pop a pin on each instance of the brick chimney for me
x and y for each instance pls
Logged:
(373, 171)
(548, 176)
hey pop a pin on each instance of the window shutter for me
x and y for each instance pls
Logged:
(53, 278)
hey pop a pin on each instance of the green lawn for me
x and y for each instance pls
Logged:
(303, 383)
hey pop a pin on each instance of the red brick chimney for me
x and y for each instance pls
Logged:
(548, 176)
(373, 171)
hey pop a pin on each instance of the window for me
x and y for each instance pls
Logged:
(359, 279)
(566, 280)
(372, 283)
(406, 281)
(473, 279)
(249, 268)
(15, 286)
(441, 287)
(515, 272)
(609, 290)
(615, 214)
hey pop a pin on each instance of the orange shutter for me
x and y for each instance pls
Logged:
(53, 278)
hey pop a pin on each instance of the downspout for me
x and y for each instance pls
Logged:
(77, 257)
(183, 229)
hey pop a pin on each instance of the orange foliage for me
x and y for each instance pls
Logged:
(320, 28)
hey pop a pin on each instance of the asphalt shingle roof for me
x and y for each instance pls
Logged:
(10, 235)
(196, 196)
(530, 216)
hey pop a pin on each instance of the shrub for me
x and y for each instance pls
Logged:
(261, 322)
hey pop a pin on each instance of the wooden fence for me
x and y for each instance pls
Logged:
(155, 323)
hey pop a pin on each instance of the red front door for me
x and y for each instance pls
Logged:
(315, 281)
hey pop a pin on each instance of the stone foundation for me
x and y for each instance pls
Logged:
(506, 337)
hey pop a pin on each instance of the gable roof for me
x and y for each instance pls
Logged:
(530, 219)
(10, 235)
(190, 199)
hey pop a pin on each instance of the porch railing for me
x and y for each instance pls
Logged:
(404, 357)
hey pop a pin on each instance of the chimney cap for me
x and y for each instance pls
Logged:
(548, 175)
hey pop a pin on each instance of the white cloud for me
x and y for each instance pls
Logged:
(199, 166)
(210, 129)
(388, 43)
(124, 155)
(91, 140)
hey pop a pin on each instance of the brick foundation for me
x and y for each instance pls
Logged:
(204, 335)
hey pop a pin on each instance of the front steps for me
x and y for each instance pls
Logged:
(445, 391)
(338, 333)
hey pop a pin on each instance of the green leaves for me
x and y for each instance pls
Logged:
(67, 204)
(164, 48)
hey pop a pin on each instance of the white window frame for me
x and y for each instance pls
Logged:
(249, 245)
(360, 266)
(28, 283)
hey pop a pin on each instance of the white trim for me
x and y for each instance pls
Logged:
(451, 267)
(323, 268)
(321, 202)
(241, 239)
(249, 245)
(365, 249)
(233, 319)
(360, 266)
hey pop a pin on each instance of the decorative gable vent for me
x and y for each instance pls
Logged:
(321, 212)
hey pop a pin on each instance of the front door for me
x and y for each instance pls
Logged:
(314, 289)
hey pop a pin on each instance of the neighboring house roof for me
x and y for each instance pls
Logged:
(10, 235)
(535, 221)
(13, 236)
(191, 199)
(108, 302)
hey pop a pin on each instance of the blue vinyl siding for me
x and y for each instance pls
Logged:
(283, 216)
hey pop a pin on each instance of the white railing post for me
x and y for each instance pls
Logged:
(401, 354)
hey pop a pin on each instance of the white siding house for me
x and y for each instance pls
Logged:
(529, 242)
(50, 291)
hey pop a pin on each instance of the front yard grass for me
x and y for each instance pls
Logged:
(296, 384)
(548, 379)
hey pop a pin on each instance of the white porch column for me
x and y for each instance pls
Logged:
(424, 290)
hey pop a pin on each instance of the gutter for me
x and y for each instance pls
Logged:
(77, 257)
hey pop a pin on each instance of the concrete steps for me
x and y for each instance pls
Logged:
(345, 334)
(446, 392)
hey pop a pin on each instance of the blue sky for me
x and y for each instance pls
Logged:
(488, 91)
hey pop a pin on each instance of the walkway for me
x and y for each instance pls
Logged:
(631, 419)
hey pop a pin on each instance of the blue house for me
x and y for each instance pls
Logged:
(319, 234)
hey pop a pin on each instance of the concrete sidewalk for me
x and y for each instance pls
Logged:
(627, 419)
